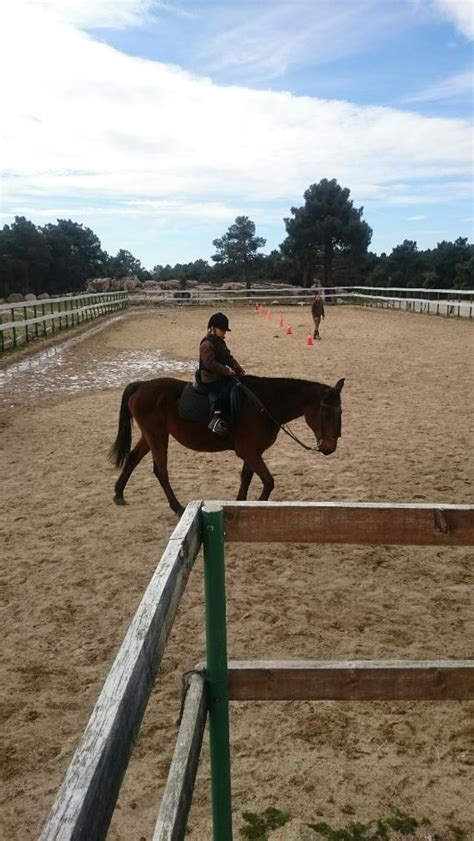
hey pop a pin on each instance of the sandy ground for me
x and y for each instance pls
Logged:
(75, 567)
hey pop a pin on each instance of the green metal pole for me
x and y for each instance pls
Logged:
(217, 680)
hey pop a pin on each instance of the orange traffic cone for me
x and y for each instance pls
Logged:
(269, 315)
(310, 340)
(289, 331)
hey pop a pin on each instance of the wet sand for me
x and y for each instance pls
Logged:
(75, 567)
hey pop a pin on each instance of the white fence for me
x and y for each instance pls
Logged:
(450, 302)
(24, 321)
(27, 320)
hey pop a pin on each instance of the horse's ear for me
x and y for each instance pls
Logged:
(339, 384)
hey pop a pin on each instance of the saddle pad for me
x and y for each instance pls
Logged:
(193, 406)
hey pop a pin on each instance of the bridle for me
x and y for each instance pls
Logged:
(283, 426)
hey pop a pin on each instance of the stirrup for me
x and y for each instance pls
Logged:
(218, 426)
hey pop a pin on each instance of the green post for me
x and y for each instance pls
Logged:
(217, 680)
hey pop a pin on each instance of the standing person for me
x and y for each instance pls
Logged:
(217, 367)
(317, 311)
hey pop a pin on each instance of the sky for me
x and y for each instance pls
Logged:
(156, 124)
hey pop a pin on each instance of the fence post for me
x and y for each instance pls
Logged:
(217, 681)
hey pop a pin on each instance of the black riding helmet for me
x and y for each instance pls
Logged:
(219, 320)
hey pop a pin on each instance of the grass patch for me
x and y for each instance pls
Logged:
(397, 824)
(258, 826)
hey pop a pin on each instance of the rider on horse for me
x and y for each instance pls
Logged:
(217, 367)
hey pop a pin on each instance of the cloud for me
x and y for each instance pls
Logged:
(83, 121)
(92, 13)
(458, 85)
(415, 218)
(459, 12)
(276, 36)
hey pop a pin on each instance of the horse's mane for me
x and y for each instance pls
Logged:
(287, 384)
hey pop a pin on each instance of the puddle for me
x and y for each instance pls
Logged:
(72, 367)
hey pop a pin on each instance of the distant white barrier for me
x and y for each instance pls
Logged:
(21, 322)
(449, 302)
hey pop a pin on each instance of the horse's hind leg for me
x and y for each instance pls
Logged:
(245, 479)
(133, 459)
(159, 449)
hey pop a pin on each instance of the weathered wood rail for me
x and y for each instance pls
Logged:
(86, 800)
(20, 322)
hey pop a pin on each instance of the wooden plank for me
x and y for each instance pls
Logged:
(178, 793)
(9, 325)
(352, 680)
(374, 523)
(87, 797)
(91, 296)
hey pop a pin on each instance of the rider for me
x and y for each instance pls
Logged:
(317, 311)
(217, 367)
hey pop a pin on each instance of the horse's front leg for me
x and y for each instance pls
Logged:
(256, 464)
(245, 479)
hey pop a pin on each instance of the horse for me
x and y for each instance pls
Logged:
(268, 403)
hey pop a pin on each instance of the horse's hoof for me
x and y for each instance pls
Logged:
(119, 500)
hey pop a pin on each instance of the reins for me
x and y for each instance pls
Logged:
(263, 409)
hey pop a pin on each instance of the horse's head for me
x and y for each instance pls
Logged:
(324, 418)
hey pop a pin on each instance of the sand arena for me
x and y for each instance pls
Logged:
(75, 567)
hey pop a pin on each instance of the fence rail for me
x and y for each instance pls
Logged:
(87, 798)
(20, 323)
(450, 302)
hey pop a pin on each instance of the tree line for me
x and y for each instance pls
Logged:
(326, 239)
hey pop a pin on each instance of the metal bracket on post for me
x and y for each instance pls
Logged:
(216, 677)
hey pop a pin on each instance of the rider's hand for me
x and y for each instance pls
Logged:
(230, 371)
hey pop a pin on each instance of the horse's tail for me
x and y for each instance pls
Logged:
(123, 442)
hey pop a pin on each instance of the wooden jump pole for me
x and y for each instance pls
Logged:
(217, 679)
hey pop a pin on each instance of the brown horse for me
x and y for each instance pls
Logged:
(153, 404)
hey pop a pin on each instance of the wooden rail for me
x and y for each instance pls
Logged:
(376, 523)
(358, 680)
(178, 793)
(63, 313)
(87, 797)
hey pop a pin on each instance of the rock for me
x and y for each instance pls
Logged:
(169, 284)
(15, 298)
(30, 297)
(115, 284)
(132, 282)
(43, 296)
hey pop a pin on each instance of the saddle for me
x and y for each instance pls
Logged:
(194, 404)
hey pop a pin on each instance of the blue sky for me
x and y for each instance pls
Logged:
(157, 123)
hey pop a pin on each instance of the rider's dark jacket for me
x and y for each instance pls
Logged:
(214, 356)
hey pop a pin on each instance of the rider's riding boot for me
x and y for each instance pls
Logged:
(315, 334)
(218, 425)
